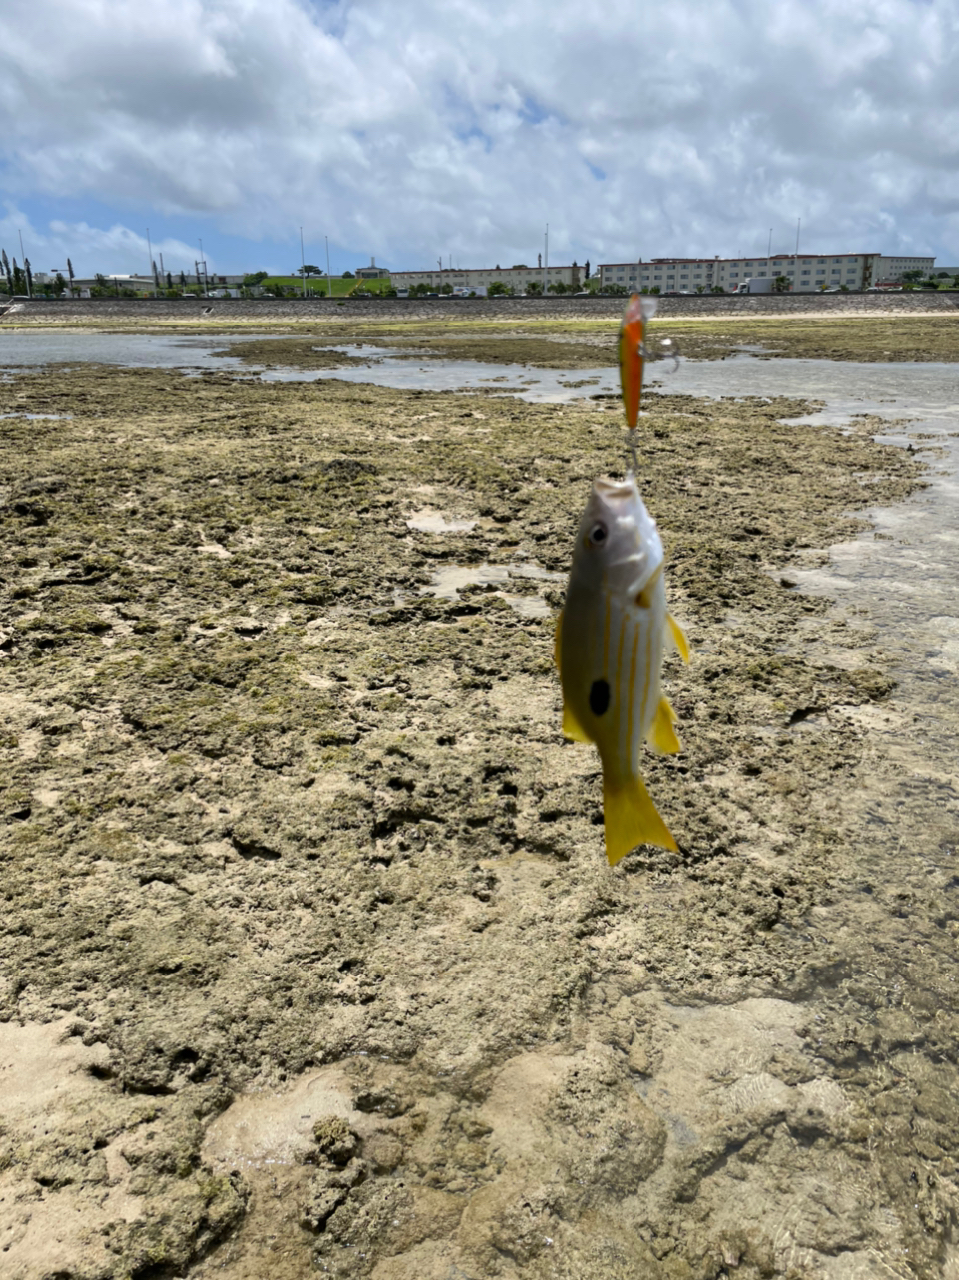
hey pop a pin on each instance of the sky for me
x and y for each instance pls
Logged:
(424, 129)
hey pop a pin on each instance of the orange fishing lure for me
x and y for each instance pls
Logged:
(632, 353)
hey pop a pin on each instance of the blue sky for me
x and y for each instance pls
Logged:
(461, 128)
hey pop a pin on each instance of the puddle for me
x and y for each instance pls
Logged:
(427, 521)
(48, 417)
(389, 370)
(23, 350)
(451, 579)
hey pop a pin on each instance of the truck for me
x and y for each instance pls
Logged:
(756, 284)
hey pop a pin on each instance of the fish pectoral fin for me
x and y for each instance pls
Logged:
(662, 736)
(631, 819)
(679, 638)
(572, 727)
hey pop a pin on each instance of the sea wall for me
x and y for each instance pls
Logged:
(127, 311)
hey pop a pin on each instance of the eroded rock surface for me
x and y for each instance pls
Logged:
(306, 895)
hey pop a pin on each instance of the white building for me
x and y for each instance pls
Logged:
(806, 272)
(890, 268)
(518, 277)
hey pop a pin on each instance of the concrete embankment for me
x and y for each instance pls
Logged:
(126, 311)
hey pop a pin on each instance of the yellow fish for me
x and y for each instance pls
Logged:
(609, 649)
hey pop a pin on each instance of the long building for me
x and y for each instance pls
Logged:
(805, 272)
(518, 277)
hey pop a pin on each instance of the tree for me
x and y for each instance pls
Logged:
(169, 280)
(309, 270)
(558, 287)
(498, 290)
(586, 277)
(782, 284)
(59, 284)
(534, 288)
(255, 278)
(446, 289)
(6, 269)
(70, 274)
(182, 279)
(717, 288)
(911, 276)
(347, 275)
(19, 279)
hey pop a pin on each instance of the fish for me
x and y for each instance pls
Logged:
(610, 639)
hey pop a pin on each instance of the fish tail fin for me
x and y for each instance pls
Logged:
(631, 819)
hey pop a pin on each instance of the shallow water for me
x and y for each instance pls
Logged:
(21, 349)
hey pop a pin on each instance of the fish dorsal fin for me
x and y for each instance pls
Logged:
(678, 637)
(631, 819)
(572, 727)
(662, 736)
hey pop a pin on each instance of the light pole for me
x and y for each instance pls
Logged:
(303, 262)
(329, 286)
(152, 268)
(546, 265)
(203, 260)
(796, 256)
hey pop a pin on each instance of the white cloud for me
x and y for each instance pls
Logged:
(407, 130)
(114, 249)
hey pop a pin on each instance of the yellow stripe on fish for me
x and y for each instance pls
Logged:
(609, 647)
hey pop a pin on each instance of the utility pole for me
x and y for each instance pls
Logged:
(303, 262)
(24, 257)
(329, 286)
(546, 264)
(203, 260)
(796, 257)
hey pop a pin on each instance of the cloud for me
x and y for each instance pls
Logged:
(410, 130)
(114, 249)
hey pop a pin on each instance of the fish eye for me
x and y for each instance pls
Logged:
(598, 535)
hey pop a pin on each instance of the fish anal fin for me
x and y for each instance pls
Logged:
(631, 819)
(662, 735)
(572, 727)
(679, 638)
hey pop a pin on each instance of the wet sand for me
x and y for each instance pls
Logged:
(312, 959)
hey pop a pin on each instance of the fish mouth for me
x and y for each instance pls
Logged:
(610, 490)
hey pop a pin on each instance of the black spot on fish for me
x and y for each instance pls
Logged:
(599, 697)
